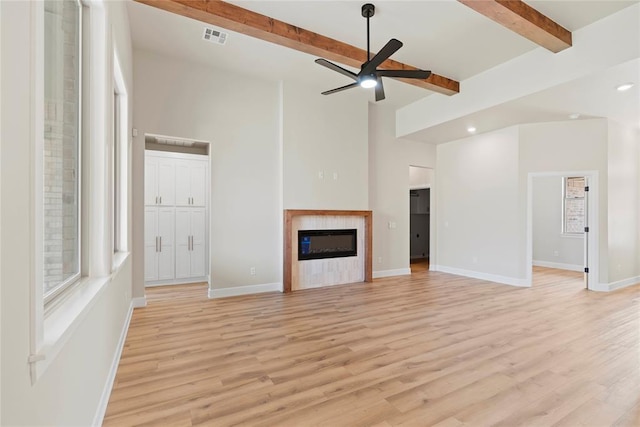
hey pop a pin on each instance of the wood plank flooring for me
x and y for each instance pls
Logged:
(430, 349)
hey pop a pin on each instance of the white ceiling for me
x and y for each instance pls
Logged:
(444, 36)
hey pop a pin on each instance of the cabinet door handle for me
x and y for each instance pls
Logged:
(160, 243)
(156, 243)
(156, 200)
(160, 199)
(190, 243)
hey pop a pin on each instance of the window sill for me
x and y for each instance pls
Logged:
(118, 260)
(62, 321)
(572, 236)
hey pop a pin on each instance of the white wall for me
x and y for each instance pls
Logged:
(420, 177)
(69, 391)
(389, 161)
(478, 201)
(240, 117)
(624, 213)
(577, 145)
(325, 135)
(550, 247)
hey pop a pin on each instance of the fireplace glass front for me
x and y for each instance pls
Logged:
(319, 244)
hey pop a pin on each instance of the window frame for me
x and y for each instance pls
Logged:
(120, 165)
(57, 293)
(564, 232)
(52, 326)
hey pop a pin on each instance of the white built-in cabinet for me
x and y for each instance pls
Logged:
(159, 181)
(190, 243)
(159, 224)
(176, 187)
(191, 183)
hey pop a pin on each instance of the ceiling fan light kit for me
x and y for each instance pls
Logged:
(370, 76)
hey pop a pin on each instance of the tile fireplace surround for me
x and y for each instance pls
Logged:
(331, 271)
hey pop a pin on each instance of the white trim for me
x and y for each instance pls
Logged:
(174, 154)
(559, 265)
(624, 283)
(175, 138)
(599, 287)
(390, 273)
(106, 391)
(169, 282)
(512, 281)
(244, 290)
(60, 324)
(139, 302)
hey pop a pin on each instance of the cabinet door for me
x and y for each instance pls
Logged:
(150, 244)
(183, 250)
(150, 180)
(166, 256)
(198, 183)
(183, 183)
(166, 181)
(198, 252)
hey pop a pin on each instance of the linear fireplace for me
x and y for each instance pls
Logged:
(320, 244)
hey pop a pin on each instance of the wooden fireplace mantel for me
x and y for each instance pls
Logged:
(289, 214)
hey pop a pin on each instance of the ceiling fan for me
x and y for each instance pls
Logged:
(369, 75)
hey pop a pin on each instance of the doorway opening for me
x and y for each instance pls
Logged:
(420, 207)
(561, 226)
(176, 213)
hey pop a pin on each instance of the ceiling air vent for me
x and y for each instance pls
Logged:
(214, 36)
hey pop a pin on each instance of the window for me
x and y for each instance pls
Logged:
(574, 205)
(116, 172)
(120, 161)
(61, 161)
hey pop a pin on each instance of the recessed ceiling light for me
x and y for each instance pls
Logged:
(471, 129)
(574, 116)
(623, 87)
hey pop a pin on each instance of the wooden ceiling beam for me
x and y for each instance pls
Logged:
(524, 20)
(235, 18)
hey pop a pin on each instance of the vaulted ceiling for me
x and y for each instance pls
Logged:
(456, 40)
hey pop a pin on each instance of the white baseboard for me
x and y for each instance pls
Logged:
(176, 282)
(624, 283)
(599, 287)
(106, 392)
(244, 290)
(390, 273)
(139, 302)
(483, 276)
(559, 265)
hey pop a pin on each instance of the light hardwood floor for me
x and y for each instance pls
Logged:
(427, 349)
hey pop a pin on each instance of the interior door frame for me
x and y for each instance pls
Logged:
(420, 187)
(208, 196)
(433, 241)
(592, 241)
